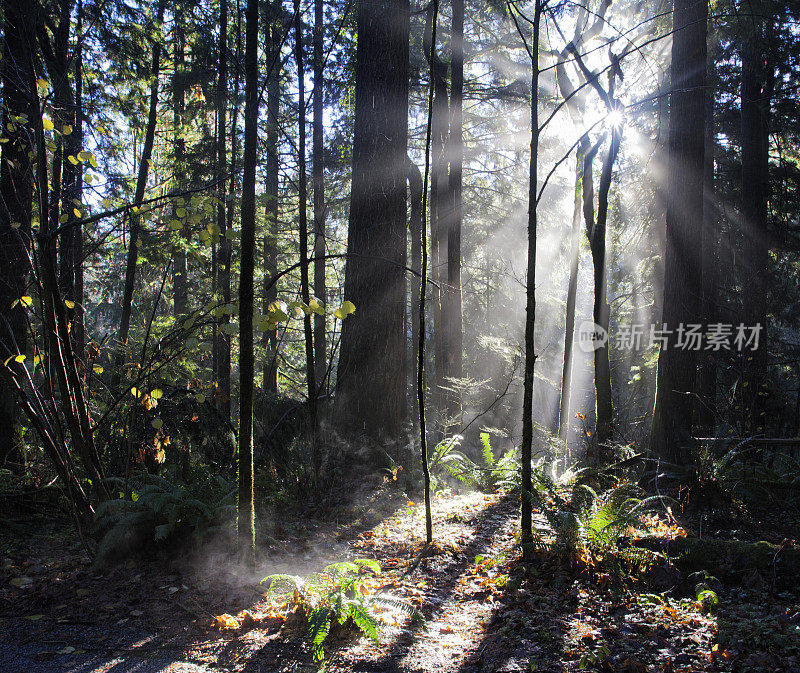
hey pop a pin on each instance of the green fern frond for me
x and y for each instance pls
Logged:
(488, 454)
(364, 621)
(319, 625)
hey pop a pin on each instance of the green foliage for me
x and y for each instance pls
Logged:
(591, 526)
(160, 510)
(491, 475)
(337, 595)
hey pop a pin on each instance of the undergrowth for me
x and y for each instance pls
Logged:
(490, 475)
(590, 528)
(151, 510)
(337, 596)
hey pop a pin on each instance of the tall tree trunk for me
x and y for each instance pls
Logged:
(415, 189)
(604, 408)
(423, 265)
(16, 198)
(526, 530)
(455, 154)
(135, 220)
(371, 388)
(246, 514)
(319, 198)
(438, 219)
(302, 199)
(271, 187)
(224, 262)
(677, 368)
(222, 342)
(179, 264)
(708, 372)
(755, 106)
(572, 294)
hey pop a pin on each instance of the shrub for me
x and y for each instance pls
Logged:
(160, 510)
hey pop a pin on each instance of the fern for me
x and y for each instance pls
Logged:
(158, 510)
(319, 626)
(337, 593)
(592, 525)
(492, 475)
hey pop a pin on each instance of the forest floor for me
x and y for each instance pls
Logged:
(484, 609)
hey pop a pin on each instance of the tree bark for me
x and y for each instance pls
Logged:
(224, 262)
(755, 107)
(708, 374)
(439, 193)
(415, 190)
(302, 198)
(246, 514)
(222, 342)
(670, 435)
(453, 321)
(270, 368)
(572, 294)
(320, 340)
(526, 531)
(371, 374)
(604, 407)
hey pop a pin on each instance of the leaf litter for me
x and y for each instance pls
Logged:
(484, 609)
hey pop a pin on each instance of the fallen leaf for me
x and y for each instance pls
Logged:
(226, 621)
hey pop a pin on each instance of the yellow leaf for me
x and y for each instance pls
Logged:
(42, 83)
(48, 125)
(20, 358)
(73, 160)
(26, 301)
(157, 394)
(226, 621)
(97, 369)
(66, 129)
(69, 304)
(77, 212)
(83, 155)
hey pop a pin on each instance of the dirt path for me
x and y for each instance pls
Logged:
(484, 610)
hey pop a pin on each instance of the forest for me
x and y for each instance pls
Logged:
(395, 336)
